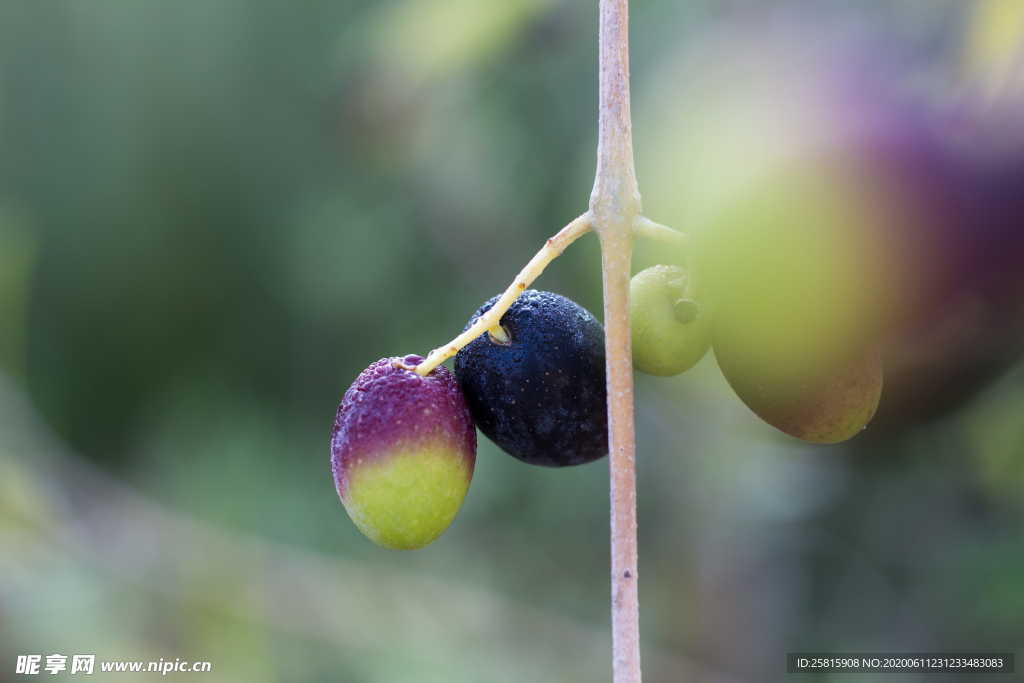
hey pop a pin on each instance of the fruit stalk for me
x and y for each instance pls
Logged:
(614, 209)
(551, 250)
(645, 227)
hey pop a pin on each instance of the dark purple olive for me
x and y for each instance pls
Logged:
(541, 395)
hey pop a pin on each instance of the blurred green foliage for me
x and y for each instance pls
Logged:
(213, 215)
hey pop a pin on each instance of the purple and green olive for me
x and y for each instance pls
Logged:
(403, 449)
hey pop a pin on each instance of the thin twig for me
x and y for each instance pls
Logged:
(645, 227)
(490, 320)
(615, 255)
(615, 205)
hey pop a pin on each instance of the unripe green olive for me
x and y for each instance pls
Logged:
(793, 264)
(671, 328)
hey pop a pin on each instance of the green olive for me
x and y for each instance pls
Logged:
(671, 327)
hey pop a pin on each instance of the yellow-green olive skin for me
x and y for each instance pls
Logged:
(671, 328)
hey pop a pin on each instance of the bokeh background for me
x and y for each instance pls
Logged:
(213, 215)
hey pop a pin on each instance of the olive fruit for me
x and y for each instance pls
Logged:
(671, 330)
(539, 393)
(826, 405)
(403, 450)
(792, 266)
